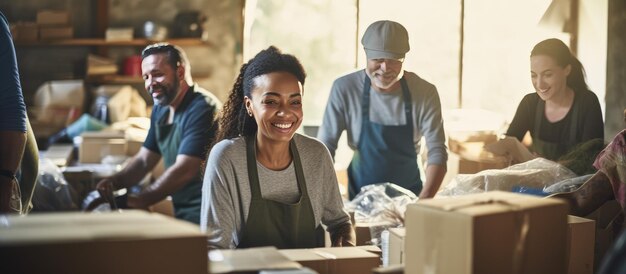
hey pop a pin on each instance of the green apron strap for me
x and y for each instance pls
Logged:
(573, 122)
(253, 174)
(188, 199)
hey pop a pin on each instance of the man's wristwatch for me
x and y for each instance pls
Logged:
(7, 173)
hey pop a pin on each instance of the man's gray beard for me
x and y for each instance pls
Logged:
(380, 85)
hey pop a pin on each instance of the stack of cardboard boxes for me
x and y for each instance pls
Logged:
(50, 25)
(54, 25)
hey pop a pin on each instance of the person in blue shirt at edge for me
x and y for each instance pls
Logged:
(562, 112)
(265, 185)
(386, 111)
(182, 126)
(19, 158)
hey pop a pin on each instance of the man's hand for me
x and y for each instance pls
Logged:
(106, 185)
(343, 236)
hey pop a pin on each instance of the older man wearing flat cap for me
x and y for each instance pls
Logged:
(386, 111)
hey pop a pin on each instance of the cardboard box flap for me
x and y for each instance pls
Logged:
(489, 203)
(300, 255)
(400, 231)
(344, 253)
(250, 259)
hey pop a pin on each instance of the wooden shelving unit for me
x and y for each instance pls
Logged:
(114, 79)
(98, 42)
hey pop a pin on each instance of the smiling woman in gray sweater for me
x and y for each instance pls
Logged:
(264, 184)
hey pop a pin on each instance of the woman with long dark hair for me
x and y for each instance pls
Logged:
(563, 112)
(264, 184)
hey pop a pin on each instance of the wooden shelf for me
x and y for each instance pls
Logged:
(101, 42)
(114, 79)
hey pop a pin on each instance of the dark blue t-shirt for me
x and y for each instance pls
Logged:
(198, 110)
(12, 107)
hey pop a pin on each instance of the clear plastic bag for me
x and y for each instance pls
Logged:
(52, 192)
(567, 185)
(381, 204)
(535, 174)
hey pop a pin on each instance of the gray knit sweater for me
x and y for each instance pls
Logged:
(224, 210)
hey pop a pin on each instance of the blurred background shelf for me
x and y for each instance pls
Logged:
(114, 79)
(103, 42)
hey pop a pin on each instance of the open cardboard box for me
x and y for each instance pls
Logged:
(96, 145)
(491, 232)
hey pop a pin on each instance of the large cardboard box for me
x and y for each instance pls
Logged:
(395, 253)
(128, 242)
(97, 145)
(486, 233)
(580, 244)
(335, 260)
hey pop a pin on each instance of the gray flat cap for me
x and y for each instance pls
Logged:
(385, 39)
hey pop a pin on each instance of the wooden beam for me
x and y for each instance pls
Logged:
(573, 26)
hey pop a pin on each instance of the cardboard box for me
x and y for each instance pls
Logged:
(491, 232)
(128, 242)
(165, 207)
(334, 260)
(366, 231)
(57, 102)
(372, 249)
(395, 269)
(133, 147)
(97, 145)
(61, 32)
(473, 159)
(395, 253)
(26, 32)
(118, 34)
(59, 154)
(456, 139)
(467, 166)
(248, 260)
(580, 244)
(53, 17)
